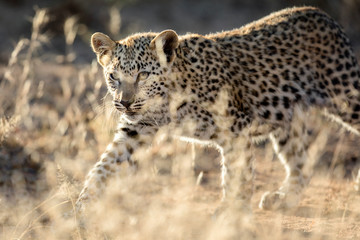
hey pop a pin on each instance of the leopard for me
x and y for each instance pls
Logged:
(230, 90)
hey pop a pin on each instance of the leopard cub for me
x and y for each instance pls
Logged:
(255, 82)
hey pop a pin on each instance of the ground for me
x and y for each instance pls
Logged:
(56, 120)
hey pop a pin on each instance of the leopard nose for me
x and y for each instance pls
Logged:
(126, 104)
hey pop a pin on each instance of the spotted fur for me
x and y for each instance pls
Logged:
(255, 82)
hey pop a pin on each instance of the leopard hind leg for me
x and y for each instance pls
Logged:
(348, 118)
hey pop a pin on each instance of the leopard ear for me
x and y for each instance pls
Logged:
(165, 44)
(103, 46)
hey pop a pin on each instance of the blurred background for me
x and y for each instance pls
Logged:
(119, 18)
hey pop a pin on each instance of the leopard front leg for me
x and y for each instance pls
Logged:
(126, 141)
(109, 164)
(291, 149)
(238, 174)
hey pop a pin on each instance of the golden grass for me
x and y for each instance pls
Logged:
(53, 115)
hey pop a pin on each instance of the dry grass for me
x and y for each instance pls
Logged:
(53, 127)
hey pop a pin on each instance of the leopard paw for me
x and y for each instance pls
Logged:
(278, 200)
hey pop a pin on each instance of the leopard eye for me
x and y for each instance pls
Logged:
(142, 76)
(112, 77)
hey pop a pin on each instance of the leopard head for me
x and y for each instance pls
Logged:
(136, 69)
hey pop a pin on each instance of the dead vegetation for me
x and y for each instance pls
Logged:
(54, 124)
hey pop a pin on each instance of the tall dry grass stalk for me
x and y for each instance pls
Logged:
(36, 40)
(18, 72)
(70, 31)
(115, 21)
